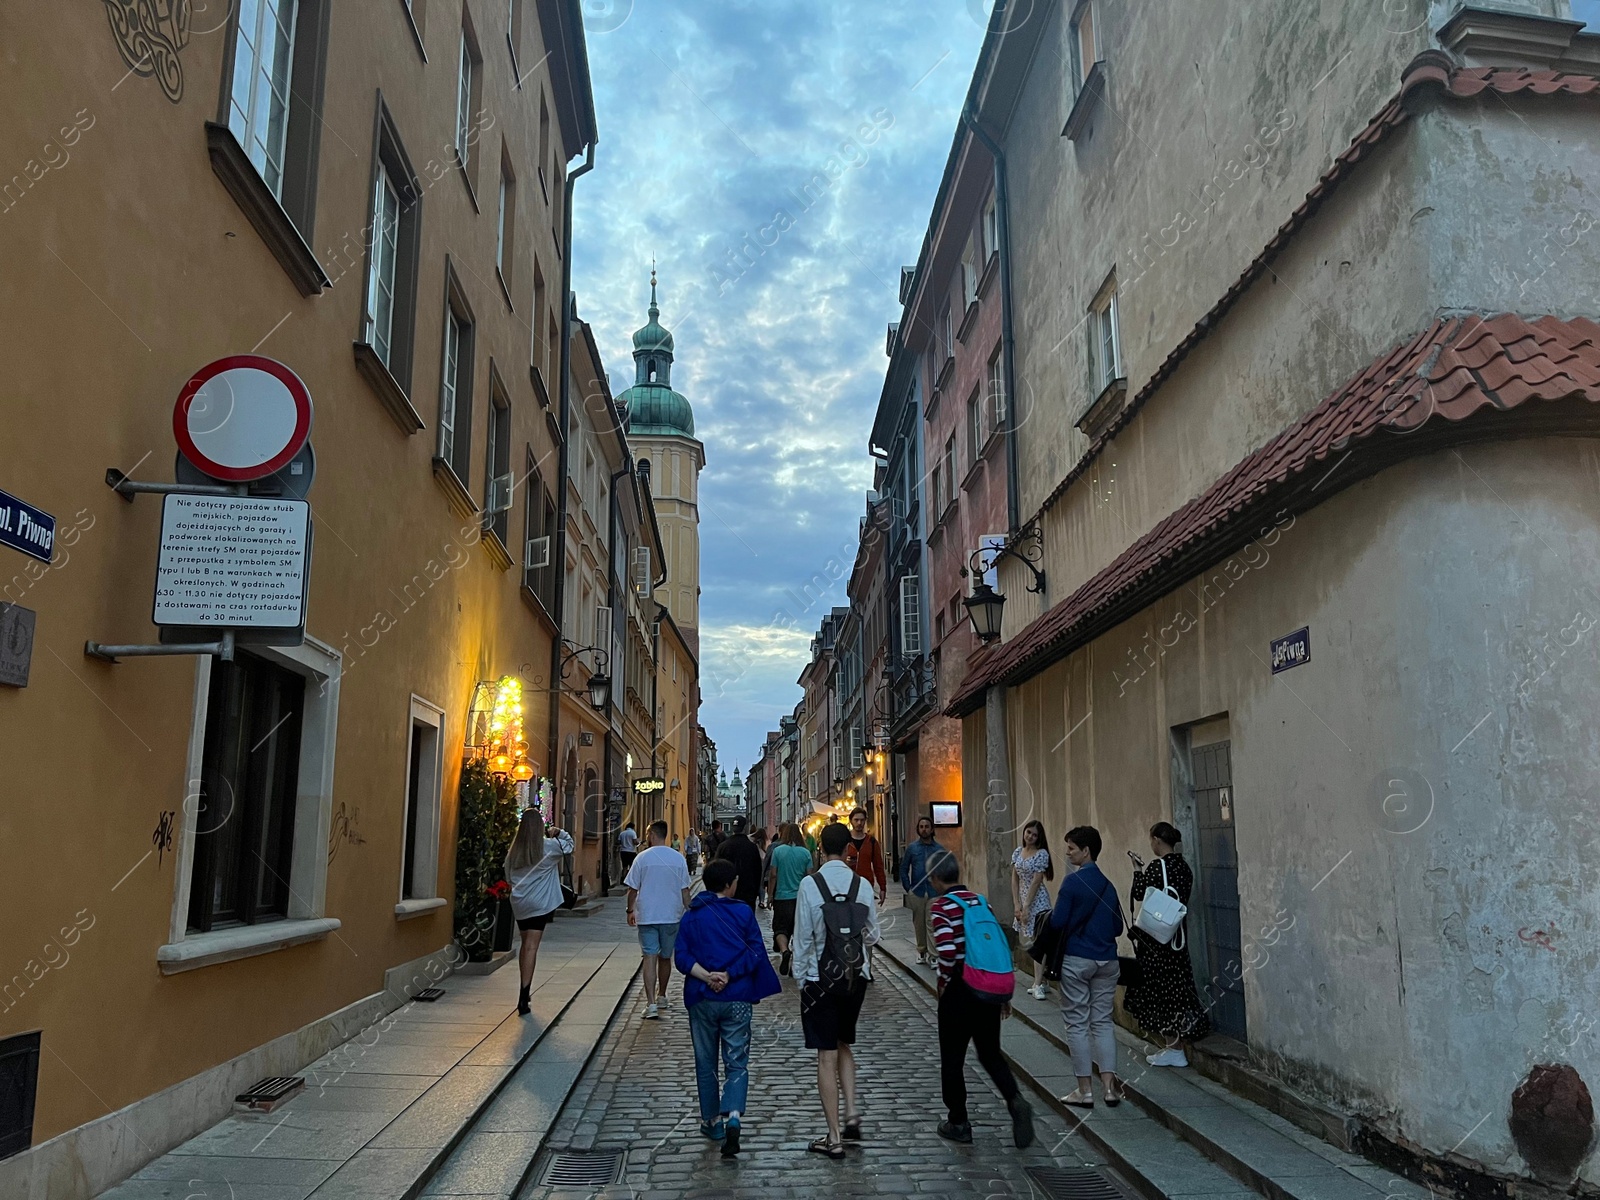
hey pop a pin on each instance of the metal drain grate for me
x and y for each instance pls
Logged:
(429, 995)
(1075, 1184)
(594, 1169)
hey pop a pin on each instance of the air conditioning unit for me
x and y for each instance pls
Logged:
(536, 554)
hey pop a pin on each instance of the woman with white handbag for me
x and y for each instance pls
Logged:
(1164, 1000)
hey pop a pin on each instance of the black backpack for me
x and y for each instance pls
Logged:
(841, 967)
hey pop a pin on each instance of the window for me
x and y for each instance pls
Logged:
(380, 274)
(514, 36)
(388, 316)
(497, 481)
(249, 781)
(855, 748)
(995, 383)
(947, 335)
(19, 1084)
(1105, 348)
(936, 490)
(259, 95)
(544, 145)
(468, 86)
(990, 228)
(974, 426)
(969, 277)
(910, 615)
(539, 345)
(504, 244)
(419, 870)
(263, 143)
(455, 386)
(641, 571)
(1084, 44)
(950, 469)
(538, 566)
(938, 627)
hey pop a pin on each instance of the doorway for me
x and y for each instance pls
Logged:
(1217, 864)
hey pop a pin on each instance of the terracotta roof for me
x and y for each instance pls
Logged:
(1433, 72)
(1463, 378)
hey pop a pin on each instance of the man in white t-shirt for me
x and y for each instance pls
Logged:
(658, 895)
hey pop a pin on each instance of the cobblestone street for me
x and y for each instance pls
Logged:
(638, 1096)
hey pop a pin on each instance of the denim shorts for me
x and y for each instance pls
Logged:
(659, 940)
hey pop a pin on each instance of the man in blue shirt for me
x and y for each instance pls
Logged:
(915, 867)
(1089, 914)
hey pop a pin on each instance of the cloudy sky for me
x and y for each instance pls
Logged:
(714, 116)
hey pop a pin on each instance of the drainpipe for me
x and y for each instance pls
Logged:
(611, 666)
(1008, 355)
(558, 549)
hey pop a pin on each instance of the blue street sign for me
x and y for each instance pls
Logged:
(1292, 650)
(26, 528)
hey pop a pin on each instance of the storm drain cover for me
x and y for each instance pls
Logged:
(571, 1169)
(1076, 1184)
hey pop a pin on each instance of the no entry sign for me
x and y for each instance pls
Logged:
(242, 417)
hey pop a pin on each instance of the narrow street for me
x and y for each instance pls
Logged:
(638, 1097)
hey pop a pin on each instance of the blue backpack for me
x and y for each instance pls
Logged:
(988, 969)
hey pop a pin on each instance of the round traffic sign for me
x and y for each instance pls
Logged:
(242, 417)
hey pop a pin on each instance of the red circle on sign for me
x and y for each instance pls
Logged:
(262, 417)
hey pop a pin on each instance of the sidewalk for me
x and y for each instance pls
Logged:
(428, 1100)
(1183, 1135)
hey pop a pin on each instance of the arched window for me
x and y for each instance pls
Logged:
(650, 371)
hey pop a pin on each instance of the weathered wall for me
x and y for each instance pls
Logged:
(1415, 798)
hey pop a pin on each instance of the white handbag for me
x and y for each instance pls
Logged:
(1161, 913)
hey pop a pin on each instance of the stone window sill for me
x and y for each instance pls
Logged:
(226, 945)
(460, 499)
(991, 268)
(1083, 108)
(968, 319)
(946, 369)
(251, 193)
(395, 401)
(1099, 413)
(415, 908)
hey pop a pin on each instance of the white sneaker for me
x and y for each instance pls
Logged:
(1039, 992)
(1168, 1058)
(652, 1012)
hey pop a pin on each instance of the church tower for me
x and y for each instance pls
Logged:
(661, 429)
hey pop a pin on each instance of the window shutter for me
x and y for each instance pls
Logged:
(855, 749)
(910, 615)
(536, 554)
(602, 627)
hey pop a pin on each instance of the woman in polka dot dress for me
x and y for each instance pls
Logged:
(1164, 1000)
(1030, 899)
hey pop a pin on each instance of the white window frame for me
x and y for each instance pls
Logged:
(641, 572)
(855, 748)
(449, 399)
(1080, 66)
(261, 121)
(306, 921)
(464, 102)
(500, 263)
(379, 330)
(910, 615)
(950, 470)
(994, 401)
(1105, 339)
(430, 788)
(991, 229)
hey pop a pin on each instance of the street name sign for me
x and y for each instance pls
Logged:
(26, 528)
(234, 562)
(1291, 650)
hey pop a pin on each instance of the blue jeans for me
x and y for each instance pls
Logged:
(724, 1023)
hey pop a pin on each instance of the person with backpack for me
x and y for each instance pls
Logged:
(836, 924)
(976, 980)
(1088, 913)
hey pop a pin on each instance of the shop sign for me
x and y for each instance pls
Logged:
(645, 787)
(16, 644)
(233, 562)
(26, 528)
(1292, 650)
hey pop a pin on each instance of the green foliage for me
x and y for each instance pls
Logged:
(485, 825)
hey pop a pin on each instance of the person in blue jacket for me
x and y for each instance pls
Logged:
(916, 865)
(726, 971)
(1088, 913)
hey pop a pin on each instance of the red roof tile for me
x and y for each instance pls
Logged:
(1465, 368)
(1431, 72)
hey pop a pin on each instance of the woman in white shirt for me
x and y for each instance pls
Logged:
(533, 868)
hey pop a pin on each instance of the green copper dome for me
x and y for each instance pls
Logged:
(653, 407)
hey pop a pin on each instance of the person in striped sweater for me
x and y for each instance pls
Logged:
(963, 1017)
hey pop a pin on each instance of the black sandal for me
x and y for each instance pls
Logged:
(822, 1145)
(852, 1128)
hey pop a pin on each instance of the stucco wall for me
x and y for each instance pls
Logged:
(1416, 798)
